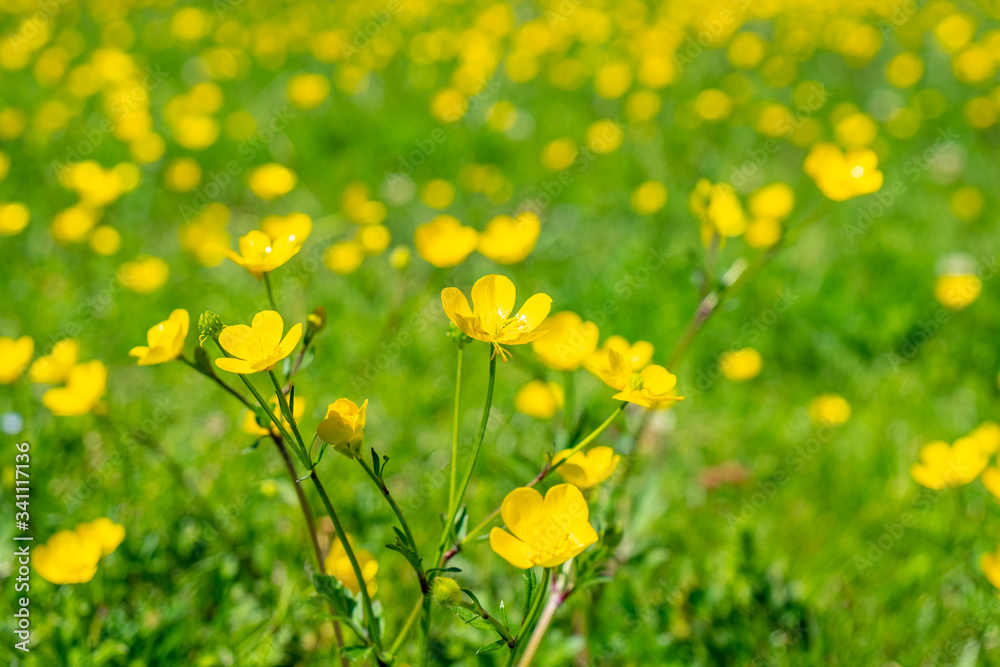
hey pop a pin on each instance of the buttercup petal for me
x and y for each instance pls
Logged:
(522, 510)
(565, 505)
(290, 340)
(238, 340)
(267, 327)
(533, 312)
(240, 366)
(493, 300)
(511, 549)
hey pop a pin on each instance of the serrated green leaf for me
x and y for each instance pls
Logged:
(472, 618)
(495, 646)
(331, 589)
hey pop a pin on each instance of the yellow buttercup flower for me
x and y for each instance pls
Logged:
(569, 342)
(540, 399)
(258, 347)
(650, 387)
(719, 210)
(445, 242)
(85, 386)
(55, 367)
(774, 201)
(991, 480)
(272, 180)
(71, 556)
(741, 365)
(988, 435)
(251, 426)
(636, 355)
(943, 466)
(338, 565)
(508, 240)
(990, 565)
(957, 291)
(587, 470)
(842, 176)
(144, 275)
(344, 426)
(830, 410)
(489, 320)
(545, 532)
(165, 340)
(277, 241)
(15, 355)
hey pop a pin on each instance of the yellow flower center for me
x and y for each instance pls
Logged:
(635, 382)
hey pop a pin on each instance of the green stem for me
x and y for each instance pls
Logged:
(270, 293)
(453, 508)
(569, 405)
(536, 606)
(454, 431)
(366, 600)
(380, 483)
(290, 418)
(495, 622)
(405, 630)
(425, 649)
(556, 598)
(215, 378)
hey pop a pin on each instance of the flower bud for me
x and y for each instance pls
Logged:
(343, 427)
(457, 335)
(446, 591)
(209, 327)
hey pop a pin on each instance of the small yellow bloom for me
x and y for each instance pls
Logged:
(545, 532)
(13, 218)
(773, 201)
(842, 176)
(569, 342)
(57, 364)
(105, 532)
(830, 410)
(71, 556)
(344, 257)
(165, 340)
(105, 240)
(540, 399)
(15, 355)
(144, 275)
(85, 386)
(438, 193)
(649, 386)
(344, 426)
(741, 365)
(990, 565)
(307, 91)
(338, 565)
(508, 240)
(445, 242)
(278, 240)
(991, 480)
(272, 180)
(988, 435)
(251, 426)
(587, 470)
(636, 355)
(489, 320)
(762, 233)
(957, 291)
(649, 198)
(258, 347)
(719, 210)
(943, 466)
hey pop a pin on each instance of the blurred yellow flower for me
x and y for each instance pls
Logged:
(338, 565)
(990, 565)
(842, 176)
(182, 174)
(719, 210)
(15, 355)
(449, 106)
(856, 130)
(587, 470)
(258, 347)
(613, 80)
(14, 217)
(343, 427)
(72, 224)
(545, 532)
(374, 239)
(568, 343)
(713, 104)
(438, 193)
(104, 532)
(650, 387)
(399, 258)
(905, 70)
(67, 558)
(636, 355)
(741, 365)
(144, 274)
(605, 136)
(84, 387)
(649, 198)
(272, 180)
(278, 240)
(991, 480)
(251, 426)
(445, 242)
(772, 201)
(988, 436)
(489, 320)
(105, 240)
(942, 466)
(762, 233)
(308, 91)
(344, 257)
(957, 291)
(55, 367)
(539, 399)
(830, 410)
(559, 154)
(508, 240)
(165, 340)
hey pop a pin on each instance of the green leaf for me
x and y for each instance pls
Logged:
(355, 653)
(331, 589)
(503, 615)
(321, 450)
(530, 586)
(495, 646)
(472, 618)
(375, 463)
(203, 362)
(252, 447)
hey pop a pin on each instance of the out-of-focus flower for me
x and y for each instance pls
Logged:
(258, 347)
(338, 565)
(719, 210)
(651, 387)
(15, 355)
(988, 435)
(741, 365)
(71, 556)
(773, 201)
(990, 565)
(489, 320)
(546, 532)
(73, 224)
(374, 239)
(206, 237)
(942, 466)
(569, 342)
(164, 341)
(399, 258)
(57, 364)
(649, 198)
(344, 257)
(587, 470)
(559, 154)
(957, 291)
(277, 241)
(508, 240)
(636, 355)
(605, 136)
(991, 480)
(182, 174)
(105, 240)
(14, 217)
(540, 399)
(343, 427)
(445, 242)
(830, 410)
(438, 193)
(308, 91)
(251, 426)
(85, 386)
(272, 180)
(145, 274)
(842, 176)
